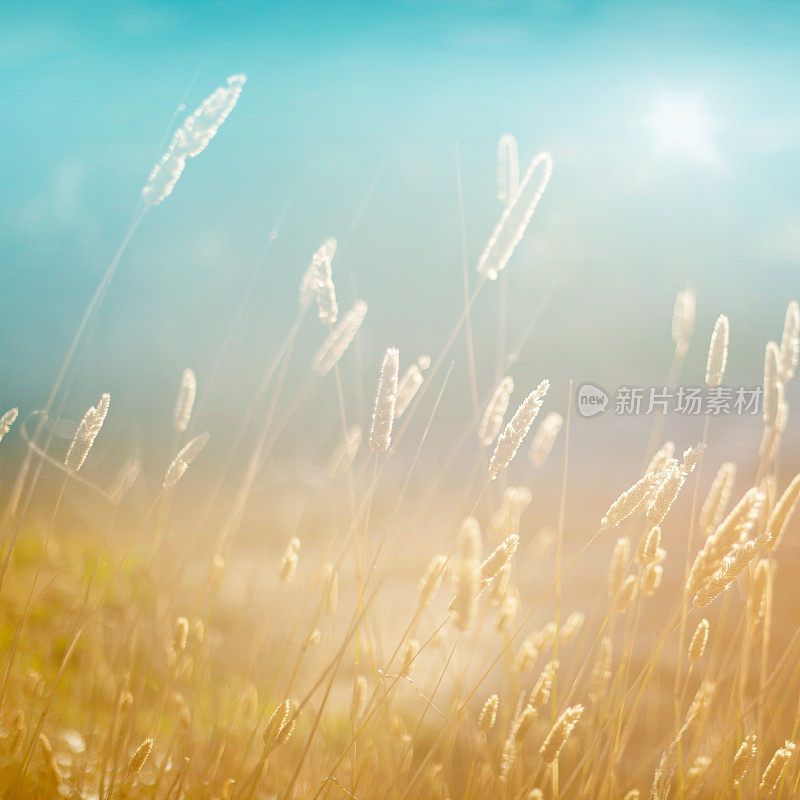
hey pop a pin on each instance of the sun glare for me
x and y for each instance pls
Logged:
(682, 125)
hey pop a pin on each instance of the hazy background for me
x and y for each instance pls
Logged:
(675, 130)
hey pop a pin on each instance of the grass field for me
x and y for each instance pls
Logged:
(383, 619)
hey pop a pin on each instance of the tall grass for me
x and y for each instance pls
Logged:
(140, 665)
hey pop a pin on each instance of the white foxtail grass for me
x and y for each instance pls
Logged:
(659, 461)
(126, 477)
(619, 564)
(198, 129)
(559, 733)
(629, 501)
(307, 291)
(380, 434)
(140, 756)
(86, 433)
(488, 713)
(790, 342)
(544, 438)
(743, 758)
(775, 769)
(517, 428)
(335, 346)
(516, 216)
(431, 579)
(499, 558)
(181, 462)
(665, 495)
(289, 560)
(184, 403)
(782, 513)
(507, 168)
(280, 726)
(409, 385)
(492, 419)
(540, 694)
(697, 645)
(325, 291)
(651, 580)
(7, 420)
(467, 576)
(718, 497)
(683, 318)
(773, 387)
(717, 352)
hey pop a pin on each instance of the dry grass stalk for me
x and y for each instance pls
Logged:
(289, 560)
(516, 430)
(601, 670)
(683, 316)
(514, 221)
(507, 168)
(431, 579)
(540, 694)
(488, 713)
(782, 514)
(325, 291)
(86, 433)
(335, 346)
(717, 352)
(198, 129)
(559, 733)
(409, 385)
(665, 495)
(329, 580)
(718, 497)
(544, 438)
(734, 529)
(571, 627)
(380, 434)
(509, 608)
(280, 726)
(626, 594)
(140, 756)
(650, 547)
(492, 419)
(126, 477)
(499, 557)
(359, 697)
(651, 580)
(184, 403)
(790, 342)
(629, 501)
(758, 590)
(775, 769)
(182, 461)
(697, 645)
(773, 387)
(744, 758)
(732, 566)
(659, 461)
(7, 420)
(619, 564)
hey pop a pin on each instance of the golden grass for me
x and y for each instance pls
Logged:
(141, 664)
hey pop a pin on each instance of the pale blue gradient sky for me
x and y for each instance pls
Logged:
(675, 129)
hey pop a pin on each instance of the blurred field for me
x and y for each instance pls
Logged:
(400, 575)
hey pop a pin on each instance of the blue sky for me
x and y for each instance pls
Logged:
(675, 129)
